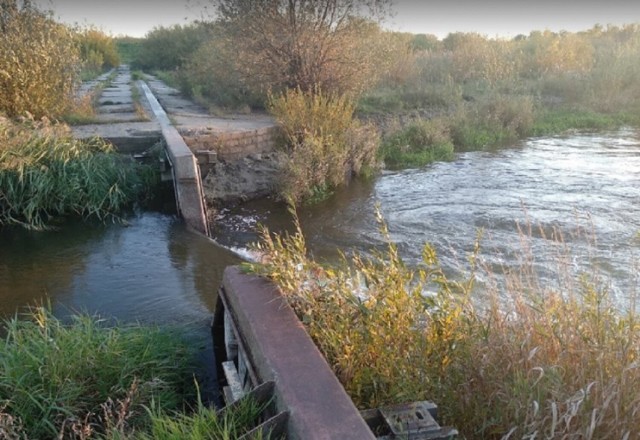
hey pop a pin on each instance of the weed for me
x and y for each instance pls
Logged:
(56, 379)
(417, 144)
(327, 146)
(502, 362)
(39, 63)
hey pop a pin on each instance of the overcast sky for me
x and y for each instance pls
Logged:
(494, 18)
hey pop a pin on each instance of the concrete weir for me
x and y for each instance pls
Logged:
(185, 169)
(269, 343)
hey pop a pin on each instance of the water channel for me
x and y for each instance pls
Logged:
(152, 269)
(571, 200)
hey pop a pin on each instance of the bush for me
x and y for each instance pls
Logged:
(168, 48)
(210, 76)
(38, 62)
(417, 144)
(98, 51)
(45, 173)
(326, 146)
(529, 359)
(494, 123)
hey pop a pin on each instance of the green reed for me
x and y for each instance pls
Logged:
(45, 173)
(57, 377)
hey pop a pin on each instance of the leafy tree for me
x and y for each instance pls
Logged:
(167, 48)
(307, 44)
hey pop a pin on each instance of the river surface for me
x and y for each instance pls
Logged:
(584, 186)
(559, 206)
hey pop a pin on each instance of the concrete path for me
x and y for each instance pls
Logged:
(187, 115)
(121, 116)
(128, 122)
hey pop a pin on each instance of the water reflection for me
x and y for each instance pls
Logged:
(150, 270)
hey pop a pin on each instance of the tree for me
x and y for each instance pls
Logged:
(305, 44)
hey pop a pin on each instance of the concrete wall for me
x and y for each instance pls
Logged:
(278, 348)
(231, 145)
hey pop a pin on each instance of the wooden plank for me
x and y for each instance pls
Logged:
(235, 386)
(275, 428)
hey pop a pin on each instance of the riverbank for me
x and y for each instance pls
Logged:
(501, 360)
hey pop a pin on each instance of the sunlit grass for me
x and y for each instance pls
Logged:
(55, 376)
(517, 361)
(87, 379)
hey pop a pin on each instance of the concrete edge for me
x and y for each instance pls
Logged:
(281, 350)
(186, 172)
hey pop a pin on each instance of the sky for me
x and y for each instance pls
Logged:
(493, 18)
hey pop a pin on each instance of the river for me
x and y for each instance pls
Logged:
(570, 201)
(151, 269)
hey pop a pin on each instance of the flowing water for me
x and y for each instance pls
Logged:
(154, 270)
(571, 200)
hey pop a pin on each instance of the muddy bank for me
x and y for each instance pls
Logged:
(253, 176)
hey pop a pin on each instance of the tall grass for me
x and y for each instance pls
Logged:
(55, 376)
(38, 62)
(525, 360)
(85, 379)
(203, 424)
(45, 173)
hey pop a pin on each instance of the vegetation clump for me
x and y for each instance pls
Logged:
(98, 52)
(326, 146)
(38, 62)
(518, 361)
(84, 380)
(45, 174)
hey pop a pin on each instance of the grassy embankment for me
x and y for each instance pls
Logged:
(86, 380)
(471, 92)
(46, 175)
(525, 360)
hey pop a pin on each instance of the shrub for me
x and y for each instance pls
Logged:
(38, 62)
(493, 123)
(46, 173)
(168, 48)
(326, 145)
(417, 144)
(98, 51)
(210, 75)
(528, 359)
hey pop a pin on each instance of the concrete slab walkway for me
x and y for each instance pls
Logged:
(121, 117)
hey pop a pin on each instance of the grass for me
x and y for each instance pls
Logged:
(552, 122)
(203, 424)
(83, 109)
(519, 359)
(53, 375)
(85, 379)
(46, 174)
